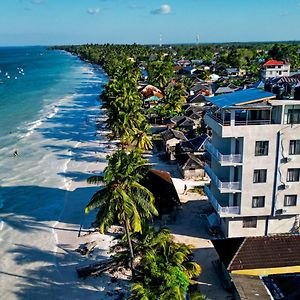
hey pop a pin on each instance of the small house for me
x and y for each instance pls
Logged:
(170, 139)
(191, 167)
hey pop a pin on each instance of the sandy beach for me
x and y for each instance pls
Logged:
(40, 229)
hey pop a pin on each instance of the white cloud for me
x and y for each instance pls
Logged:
(93, 11)
(165, 9)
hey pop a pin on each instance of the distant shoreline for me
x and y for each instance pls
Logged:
(166, 44)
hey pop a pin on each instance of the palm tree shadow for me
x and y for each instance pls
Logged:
(55, 278)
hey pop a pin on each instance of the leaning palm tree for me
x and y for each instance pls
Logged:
(123, 199)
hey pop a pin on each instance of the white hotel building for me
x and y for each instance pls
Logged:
(255, 163)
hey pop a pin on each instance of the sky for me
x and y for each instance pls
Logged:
(57, 22)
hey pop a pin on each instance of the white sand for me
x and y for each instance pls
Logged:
(67, 232)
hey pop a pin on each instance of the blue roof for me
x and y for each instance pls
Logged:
(239, 97)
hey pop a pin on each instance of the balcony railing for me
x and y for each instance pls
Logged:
(222, 158)
(224, 187)
(222, 210)
(238, 121)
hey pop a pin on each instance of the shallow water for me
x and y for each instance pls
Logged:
(45, 117)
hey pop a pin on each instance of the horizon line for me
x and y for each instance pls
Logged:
(151, 44)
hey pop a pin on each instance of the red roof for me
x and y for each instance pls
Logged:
(273, 62)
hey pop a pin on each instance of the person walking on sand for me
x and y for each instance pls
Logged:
(185, 190)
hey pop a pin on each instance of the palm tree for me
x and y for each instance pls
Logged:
(174, 99)
(165, 268)
(140, 137)
(123, 199)
(160, 73)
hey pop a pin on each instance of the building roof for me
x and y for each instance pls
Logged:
(171, 133)
(192, 145)
(190, 161)
(259, 252)
(240, 97)
(186, 122)
(198, 87)
(286, 79)
(284, 285)
(160, 183)
(250, 287)
(224, 90)
(232, 70)
(199, 98)
(273, 62)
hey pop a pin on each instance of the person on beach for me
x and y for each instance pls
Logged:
(185, 190)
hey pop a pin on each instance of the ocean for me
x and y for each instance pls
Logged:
(48, 104)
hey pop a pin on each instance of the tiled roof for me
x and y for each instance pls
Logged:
(273, 62)
(259, 252)
(267, 252)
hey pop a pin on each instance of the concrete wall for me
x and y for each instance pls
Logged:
(223, 139)
(284, 224)
(235, 228)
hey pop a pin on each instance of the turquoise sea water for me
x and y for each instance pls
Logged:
(48, 104)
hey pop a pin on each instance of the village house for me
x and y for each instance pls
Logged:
(275, 68)
(171, 138)
(234, 72)
(191, 167)
(250, 265)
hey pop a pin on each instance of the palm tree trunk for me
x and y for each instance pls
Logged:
(130, 245)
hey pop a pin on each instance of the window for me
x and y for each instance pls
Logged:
(293, 175)
(290, 200)
(294, 147)
(293, 116)
(258, 201)
(260, 176)
(261, 148)
(249, 222)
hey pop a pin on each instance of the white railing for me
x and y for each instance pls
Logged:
(229, 186)
(223, 158)
(222, 210)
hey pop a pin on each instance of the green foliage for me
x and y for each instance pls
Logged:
(160, 73)
(123, 198)
(164, 267)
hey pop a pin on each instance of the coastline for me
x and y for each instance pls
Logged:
(39, 243)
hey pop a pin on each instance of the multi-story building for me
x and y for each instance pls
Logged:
(275, 68)
(255, 163)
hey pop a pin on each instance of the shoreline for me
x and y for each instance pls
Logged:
(39, 256)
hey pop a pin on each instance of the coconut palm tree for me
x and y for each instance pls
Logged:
(160, 73)
(164, 267)
(123, 199)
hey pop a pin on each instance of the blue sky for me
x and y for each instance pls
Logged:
(48, 22)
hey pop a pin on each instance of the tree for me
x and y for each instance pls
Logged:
(174, 99)
(165, 268)
(160, 73)
(123, 199)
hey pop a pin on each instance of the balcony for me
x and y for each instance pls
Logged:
(238, 121)
(223, 211)
(224, 187)
(224, 160)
